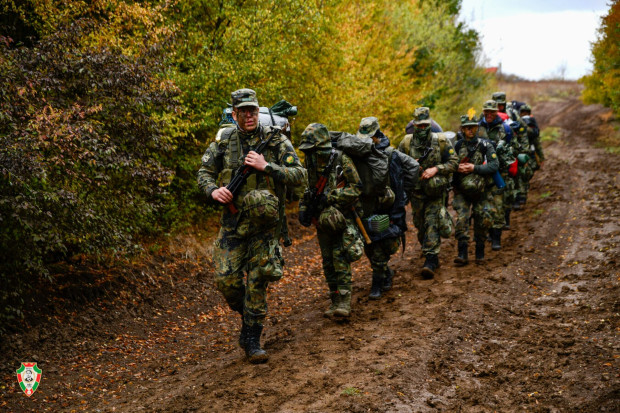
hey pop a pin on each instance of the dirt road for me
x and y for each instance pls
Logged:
(534, 329)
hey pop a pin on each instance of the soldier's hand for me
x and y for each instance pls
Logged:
(466, 168)
(256, 161)
(430, 172)
(222, 195)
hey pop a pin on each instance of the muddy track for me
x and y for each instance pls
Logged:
(533, 329)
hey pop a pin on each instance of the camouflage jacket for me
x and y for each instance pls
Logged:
(480, 152)
(500, 135)
(343, 197)
(218, 165)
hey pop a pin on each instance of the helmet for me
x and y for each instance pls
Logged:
(490, 105)
(315, 136)
(499, 97)
(368, 127)
(331, 220)
(525, 108)
(422, 116)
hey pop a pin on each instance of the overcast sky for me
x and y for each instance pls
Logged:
(536, 39)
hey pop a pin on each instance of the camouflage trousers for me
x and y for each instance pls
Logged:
(502, 200)
(522, 180)
(426, 220)
(232, 256)
(335, 257)
(379, 253)
(480, 209)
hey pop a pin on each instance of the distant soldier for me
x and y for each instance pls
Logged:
(329, 204)
(493, 128)
(472, 187)
(438, 161)
(533, 134)
(388, 212)
(248, 240)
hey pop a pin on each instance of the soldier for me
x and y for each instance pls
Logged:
(248, 240)
(331, 209)
(437, 160)
(403, 173)
(493, 128)
(537, 157)
(472, 187)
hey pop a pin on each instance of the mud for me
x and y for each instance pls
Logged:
(535, 328)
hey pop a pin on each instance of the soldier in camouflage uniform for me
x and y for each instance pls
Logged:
(437, 160)
(472, 188)
(332, 213)
(535, 150)
(248, 240)
(524, 170)
(403, 171)
(494, 129)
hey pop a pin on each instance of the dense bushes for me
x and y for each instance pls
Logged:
(603, 85)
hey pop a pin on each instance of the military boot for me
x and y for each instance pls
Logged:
(253, 351)
(243, 334)
(496, 239)
(387, 280)
(375, 288)
(430, 265)
(335, 299)
(462, 259)
(344, 304)
(479, 251)
(507, 218)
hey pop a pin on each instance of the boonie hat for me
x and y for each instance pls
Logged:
(244, 97)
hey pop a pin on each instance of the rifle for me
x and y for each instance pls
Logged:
(424, 156)
(470, 154)
(317, 190)
(341, 182)
(242, 173)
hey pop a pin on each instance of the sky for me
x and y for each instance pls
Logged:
(536, 39)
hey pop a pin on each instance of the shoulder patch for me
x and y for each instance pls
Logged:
(451, 151)
(289, 159)
(494, 156)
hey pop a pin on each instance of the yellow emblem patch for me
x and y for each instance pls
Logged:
(494, 156)
(451, 151)
(289, 160)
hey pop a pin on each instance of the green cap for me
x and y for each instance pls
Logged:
(490, 105)
(525, 108)
(314, 136)
(499, 97)
(368, 127)
(422, 116)
(244, 97)
(466, 120)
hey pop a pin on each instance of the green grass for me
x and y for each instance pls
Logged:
(537, 212)
(351, 391)
(546, 194)
(550, 134)
(615, 150)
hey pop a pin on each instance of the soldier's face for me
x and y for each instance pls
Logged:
(501, 107)
(246, 117)
(489, 115)
(469, 131)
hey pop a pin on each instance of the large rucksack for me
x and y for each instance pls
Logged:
(371, 163)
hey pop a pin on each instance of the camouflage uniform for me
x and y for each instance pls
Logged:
(338, 247)
(534, 150)
(472, 192)
(500, 134)
(403, 171)
(428, 198)
(248, 241)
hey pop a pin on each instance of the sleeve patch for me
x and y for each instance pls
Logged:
(451, 151)
(494, 156)
(289, 159)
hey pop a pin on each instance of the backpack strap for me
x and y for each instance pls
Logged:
(406, 143)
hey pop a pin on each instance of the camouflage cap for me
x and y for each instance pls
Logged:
(489, 106)
(314, 136)
(244, 97)
(525, 108)
(466, 120)
(499, 97)
(422, 116)
(368, 127)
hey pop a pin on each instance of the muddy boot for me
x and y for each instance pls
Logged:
(461, 259)
(253, 351)
(243, 334)
(344, 304)
(496, 239)
(507, 217)
(375, 288)
(430, 265)
(387, 280)
(335, 298)
(479, 251)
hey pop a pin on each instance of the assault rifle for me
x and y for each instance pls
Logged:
(242, 173)
(470, 154)
(317, 190)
